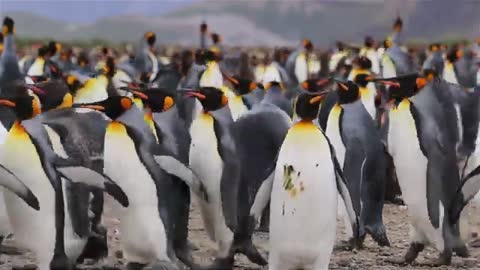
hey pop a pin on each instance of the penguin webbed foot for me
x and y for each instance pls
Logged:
(410, 256)
(445, 258)
(462, 251)
(379, 235)
(349, 245)
(252, 253)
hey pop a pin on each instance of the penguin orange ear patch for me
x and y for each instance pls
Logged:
(224, 100)
(126, 103)
(168, 103)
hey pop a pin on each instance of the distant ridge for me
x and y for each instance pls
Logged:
(274, 23)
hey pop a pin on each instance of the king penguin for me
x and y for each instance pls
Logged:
(238, 103)
(9, 69)
(360, 153)
(142, 159)
(213, 157)
(425, 163)
(307, 173)
(161, 115)
(44, 232)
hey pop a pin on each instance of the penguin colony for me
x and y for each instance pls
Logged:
(274, 147)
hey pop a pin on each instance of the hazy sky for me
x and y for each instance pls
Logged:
(85, 11)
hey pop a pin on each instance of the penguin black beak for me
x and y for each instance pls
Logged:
(232, 80)
(342, 86)
(389, 83)
(139, 94)
(8, 103)
(90, 106)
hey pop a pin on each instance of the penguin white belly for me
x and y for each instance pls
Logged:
(5, 227)
(411, 169)
(34, 230)
(368, 99)
(302, 235)
(207, 163)
(333, 134)
(143, 235)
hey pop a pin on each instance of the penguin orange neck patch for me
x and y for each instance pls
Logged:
(116, 128)
(18, 131)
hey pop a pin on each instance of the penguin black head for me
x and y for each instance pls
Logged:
(51, 48)
(216, 38)
(315, 85)
(369, 42)
(55, 95)
(82, 60)
(308, 45)
(211, 98)
(155, 99)
(307, 105)
(362, 79)
(73, 83)
(25, 105)
(405, 87)
(398, 24)
(242, 86)
(347, 92)
(203, 27)
(8, 26)
(454, 54)
(208, 56)
(151, 38)
(109, 69)
(113, 106)
(362, 62)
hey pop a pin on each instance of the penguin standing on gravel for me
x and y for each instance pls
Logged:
(307, 173)
(360, 153)
(213, 157)
(131, 154)
(425, 163)
(45, 232)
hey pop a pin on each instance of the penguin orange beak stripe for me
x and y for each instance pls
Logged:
(198, 95)
(390, 83)
(140, 95)
(7, 103)
(316, 99)
(323, 82)
(94, 107)
(36, 90)
(233, 80)
(343, 86)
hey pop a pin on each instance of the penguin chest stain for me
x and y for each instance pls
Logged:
(304, 177)
(34, 230)
(143, 232)
(333, 133)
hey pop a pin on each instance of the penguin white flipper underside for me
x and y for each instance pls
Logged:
(84, 175)
(15, 185)
(263, 196)
(345, 193)
(175, 167)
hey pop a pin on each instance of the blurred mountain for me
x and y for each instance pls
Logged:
(274, 22)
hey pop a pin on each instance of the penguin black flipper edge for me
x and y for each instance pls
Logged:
(175, 167)
(230, 181)
(11, 182)
(84, 175)
(343, 190)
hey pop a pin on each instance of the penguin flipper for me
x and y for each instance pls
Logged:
(343, 190)
(84, 175)
(175, 167)
(433, 194)
(263, 195)
(467, 190)
(11, 182)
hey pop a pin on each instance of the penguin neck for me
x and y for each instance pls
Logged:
(404, 104)
(67, 102)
